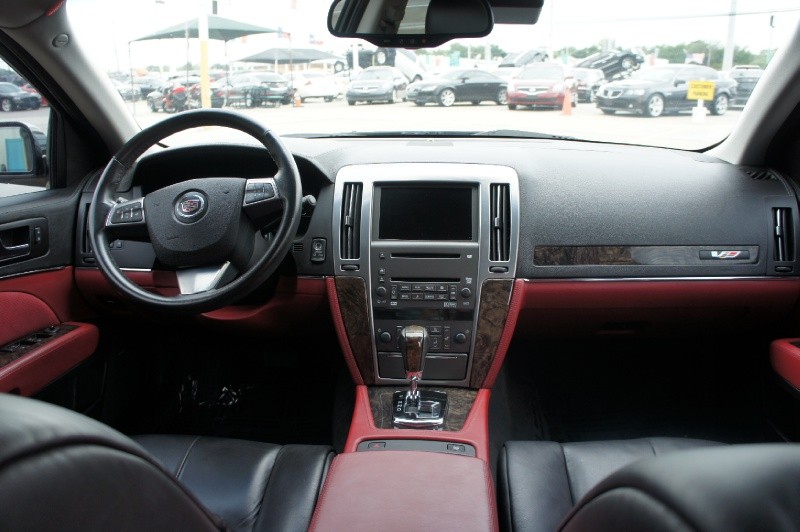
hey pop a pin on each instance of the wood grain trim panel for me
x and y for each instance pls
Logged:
(353, 311)
(492, 313)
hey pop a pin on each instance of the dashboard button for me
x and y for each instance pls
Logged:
(466, 292)
(381, 291)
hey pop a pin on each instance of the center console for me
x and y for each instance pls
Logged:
(424, 238)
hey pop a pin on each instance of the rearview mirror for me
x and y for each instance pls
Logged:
(403, 24)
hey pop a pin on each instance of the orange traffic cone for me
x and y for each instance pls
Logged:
(566, 107)
(297, 101)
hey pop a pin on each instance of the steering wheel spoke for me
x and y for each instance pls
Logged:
(205, 278)
(262, 200)
(126, 220)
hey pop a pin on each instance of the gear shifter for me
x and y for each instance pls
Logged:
(413, 347)
(417, 408)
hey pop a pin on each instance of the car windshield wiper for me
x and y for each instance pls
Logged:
(503, 133)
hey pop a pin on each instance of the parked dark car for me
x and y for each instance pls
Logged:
(147, 84)
(254, 89)
(474, 86)
(377, 84)
(587, 81)
(539, 85)
(746, 77)
(663, 89)
(614, 63)
(12, 98)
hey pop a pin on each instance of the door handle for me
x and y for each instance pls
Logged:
(14, 252)
(15, 243)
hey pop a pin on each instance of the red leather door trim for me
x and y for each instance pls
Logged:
(38, 368)
(56, 288)
(785, 358)
(475, 431)
(406, 490)
(21, 314)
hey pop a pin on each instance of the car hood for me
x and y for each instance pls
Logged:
(536, 81)
(370, 84)
(632, 84)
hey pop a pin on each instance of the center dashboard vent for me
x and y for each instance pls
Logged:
(350, 229)
(500, 212)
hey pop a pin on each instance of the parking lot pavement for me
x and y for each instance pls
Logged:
(585, 122)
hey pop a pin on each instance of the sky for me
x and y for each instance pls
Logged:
(105, 27)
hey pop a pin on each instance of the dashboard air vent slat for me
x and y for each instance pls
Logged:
(351, 221)
(783, 233)
(760, 174)
(501, 222)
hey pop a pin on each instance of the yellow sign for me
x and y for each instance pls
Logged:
(700, 90)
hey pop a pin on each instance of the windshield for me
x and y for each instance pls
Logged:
(621, 39)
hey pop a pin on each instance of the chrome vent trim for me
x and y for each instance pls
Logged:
(783, 233)
(500, 213)
(350, 229)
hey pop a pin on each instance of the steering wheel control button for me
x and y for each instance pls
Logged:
(258, 191)
(127, 213)
(190, 207)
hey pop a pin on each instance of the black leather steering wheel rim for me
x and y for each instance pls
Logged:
(118, 170)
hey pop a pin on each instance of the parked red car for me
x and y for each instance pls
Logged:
(539, 85)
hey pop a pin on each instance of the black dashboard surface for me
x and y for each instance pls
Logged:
(587, 210)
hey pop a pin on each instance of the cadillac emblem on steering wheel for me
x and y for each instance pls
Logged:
(190, 207)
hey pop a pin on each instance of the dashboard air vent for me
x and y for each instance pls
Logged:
(760, 174)
(297, 247)
(500, 212)
(349, 236)
(783, 234)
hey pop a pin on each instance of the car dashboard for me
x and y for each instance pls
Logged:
(467, 236)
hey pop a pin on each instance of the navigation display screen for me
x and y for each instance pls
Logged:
(426, 213)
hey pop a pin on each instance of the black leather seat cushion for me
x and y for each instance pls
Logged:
(737, 488)
(63, 471)
(539, 481)
(251, 486)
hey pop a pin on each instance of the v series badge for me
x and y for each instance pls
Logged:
(724, 254)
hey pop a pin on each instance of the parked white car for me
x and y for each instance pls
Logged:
(315, 85)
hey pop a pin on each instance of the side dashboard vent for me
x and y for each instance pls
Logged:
(500, 212)
(86, 243)
(297, 247)
(760, 174)
(350, 237)
(783, 234)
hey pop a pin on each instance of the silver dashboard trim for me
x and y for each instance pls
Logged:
(480, 175)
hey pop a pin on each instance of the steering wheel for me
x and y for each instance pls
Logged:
(208, 230)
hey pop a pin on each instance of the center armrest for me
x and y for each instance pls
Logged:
(429, 491)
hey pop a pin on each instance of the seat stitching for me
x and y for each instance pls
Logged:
(183, 461)
(266, 484)
(566, 469)
(649, 441)
(507, 490)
